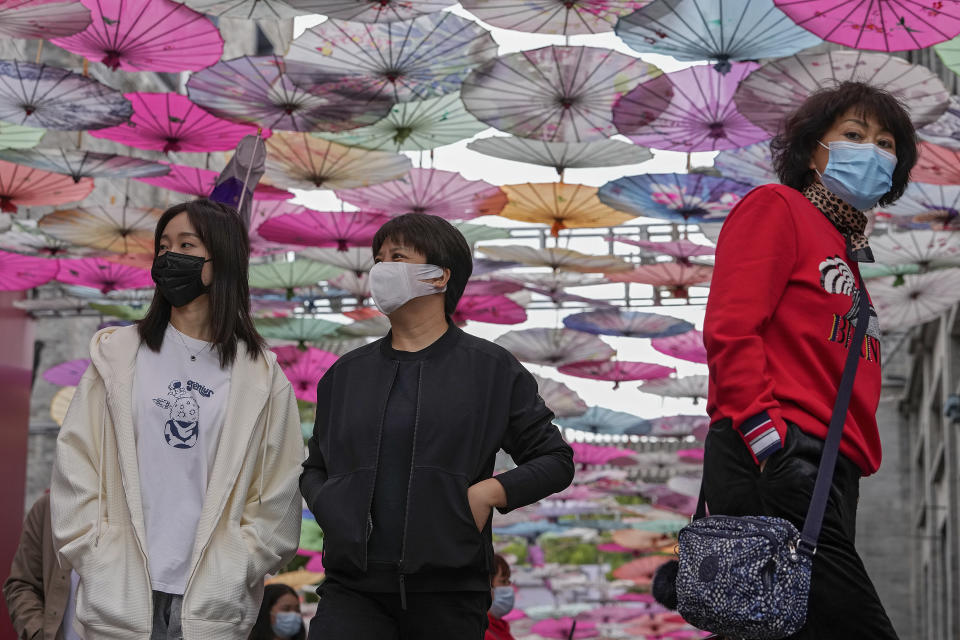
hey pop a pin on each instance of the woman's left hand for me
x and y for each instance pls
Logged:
(483, 497)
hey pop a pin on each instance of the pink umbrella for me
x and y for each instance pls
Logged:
(67, 374)
(613, 547)
(637, 597)
(103, 274)
(146, 35)
(260, 212)
(686, 346)
(591, 454)
(679, 250)
(42, 18)
(441, 193)
(20, 185)
(315, 563)
(491, 287)
(491, 309)
(690, 455)
(565, 628)
(578, 492)
(660, 623)
(340, 229)
(19, 272)
(678, 426)
(170, 122)
(669, 500)
(641, 570)
(614, 613)
(304, 369)
(616, 371)
(676, 277)
(884, 25)
(200, 183)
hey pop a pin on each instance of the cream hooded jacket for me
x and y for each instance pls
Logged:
(249, 525)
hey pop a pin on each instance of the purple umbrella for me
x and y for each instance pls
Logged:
(686, 346)
(559, 398)
(67, 374)
(628, 324)
(750, 165)
(679, 250)
(554, 347)
(680, 197)
(616, 371)
(371, 10)
(42, 19)
(323, 228)
(18, 272)
(678, 426)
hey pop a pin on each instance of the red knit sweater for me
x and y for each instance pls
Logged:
(498, 629)
(778, 325)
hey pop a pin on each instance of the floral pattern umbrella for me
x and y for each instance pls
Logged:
(679, 250)
(559, 398)
(685, 346)
(933, 206)
(616, 371)
(926, 249)
(370, 10)
(301, 161)
(18, 272)
(627, 324)
(249, 9)
(22, 186)
(356, 259)
(686, 387)
(558, 94)
(749, 165)
(554, 347)
(107, 228)
(920, 299)
(415, 126)
(562, 155)
(258, 90)
(290, 275)
(945, 131)
(38, 95)
(681, 197)
(556, 17)
(491, 309)
(67, 374)
(556, 258)
(432, 191)
(13, 136)
(42, 20)
(884, 25)
(721, 30)
(200, 183)
(676, 277)
(304, 368)
(774, 90)
(104, 275)
(699, 115)
(415, 59)
(323, 228)
(85, 164)
(146, 35)
(171, 122)
(559, 204)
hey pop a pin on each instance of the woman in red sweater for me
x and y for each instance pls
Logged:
(502, 601)
(779, 322)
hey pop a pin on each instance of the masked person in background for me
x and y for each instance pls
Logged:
(782, 310)
(280, 617)
(503, 598)
(400, 465)
(174, 487)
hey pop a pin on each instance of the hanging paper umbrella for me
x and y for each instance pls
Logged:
(721, 30)
(885, 25)
(486, 266)
(356, 259)
(491, 287)
(561, 205)
(301, 330)
(685, 387)
(615, 614)
(474, 233)
(146, 35)
(301, 161)
(18, 272)
(562, 155)
(108, 228)
(85, 164)
(13, 136)
(60, 403)
(257, 90)
(920, 299)
(25, 237)
(773, 91)
(37, 95)
(565, 628)
(679, 426)
(559, 94)
(200, 183)
(557, 259)
(260, 212)
(170, 122)
(628, 324)
(102, 274)
(121, 311)
(415, 126)
(750, 165)
(415, 59)
(323, 228)
(601, 420)
(21, 185)
(934, 206)
(490, 309)
(554, 285)
(556, 17)
(372, 11)
(67, 374)
(432, 191)
(290, 275)
(945, 131)
(679, 250)
(700, 115)
(531, 529)
(43, 19)
(686, 346)
(936, 165)
(304, 369)
(354, 284)
(681, 197)
(559, 398)
(616, 371)
(677, 278)
(925, 249)
(554, 347)
(670, 500)
(375, 326)
(689, 455)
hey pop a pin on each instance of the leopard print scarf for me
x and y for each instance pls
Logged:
(848, 221)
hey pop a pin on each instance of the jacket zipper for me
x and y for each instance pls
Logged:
(406, 506)
(376, 467)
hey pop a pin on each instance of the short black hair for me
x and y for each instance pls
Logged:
(262, 630)
(440, 242)
(500, 565)
(792, 148)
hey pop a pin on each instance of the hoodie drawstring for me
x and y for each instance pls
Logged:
(103, 446)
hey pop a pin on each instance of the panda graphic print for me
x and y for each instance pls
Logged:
(183, 428)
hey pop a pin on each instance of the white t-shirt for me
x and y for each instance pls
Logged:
(179, 408)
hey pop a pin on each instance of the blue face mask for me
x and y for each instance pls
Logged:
(858, 174)
(287, 624)
(502, 601)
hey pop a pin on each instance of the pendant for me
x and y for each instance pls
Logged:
(193, 358)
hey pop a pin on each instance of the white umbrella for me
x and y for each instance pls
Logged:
(920, 299)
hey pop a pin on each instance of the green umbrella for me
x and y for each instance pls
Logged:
(290, 275)
(475, 233)
(877, 270)
(301, 330)
(949, 54)
(13, 136)
(121, 311)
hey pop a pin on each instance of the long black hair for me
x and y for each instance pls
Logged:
(262, 630)
(222, 232)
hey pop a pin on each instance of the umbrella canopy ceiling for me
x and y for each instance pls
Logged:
(107, 228)
(31, 19)
(945, 131)
(554, 347)
(560, 205)
(555, 17)
(376, 11)
(303, 368)
(299, 329)
(921, 298)
(200, 183)
(249, 9)
(679, 250)
(676, 277)
(107, 276)
(290, 275)
(357, 259)
(936, 165)
(751, 165)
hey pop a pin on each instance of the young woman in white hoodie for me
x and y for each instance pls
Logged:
(175, 483)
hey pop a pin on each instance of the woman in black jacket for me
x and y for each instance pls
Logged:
(399, 473)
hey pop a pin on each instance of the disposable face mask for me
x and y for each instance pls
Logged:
(286, 624)
(858, 174)
(393, 284)
(178, 277)
(502, 601)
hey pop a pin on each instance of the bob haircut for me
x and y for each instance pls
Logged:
(223, 234)
(441, 243)
(792, 148)
(262, 630)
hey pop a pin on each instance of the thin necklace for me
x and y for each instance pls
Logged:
(193, 356)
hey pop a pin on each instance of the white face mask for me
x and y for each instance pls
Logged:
(393, 284)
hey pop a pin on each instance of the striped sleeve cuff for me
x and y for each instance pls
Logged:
(761, 435)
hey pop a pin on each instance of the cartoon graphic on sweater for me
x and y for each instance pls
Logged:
(182, 430)
(837, 277)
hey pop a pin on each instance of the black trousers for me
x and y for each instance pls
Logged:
(843, 602)
(345, 614)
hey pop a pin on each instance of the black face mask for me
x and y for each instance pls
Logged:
(178, 277)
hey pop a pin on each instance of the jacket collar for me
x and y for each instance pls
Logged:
(440, 346)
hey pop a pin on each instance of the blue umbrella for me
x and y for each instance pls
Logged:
(627, 324)
(681, 197)
(751, 165)
(600, 420)
(531, 529)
